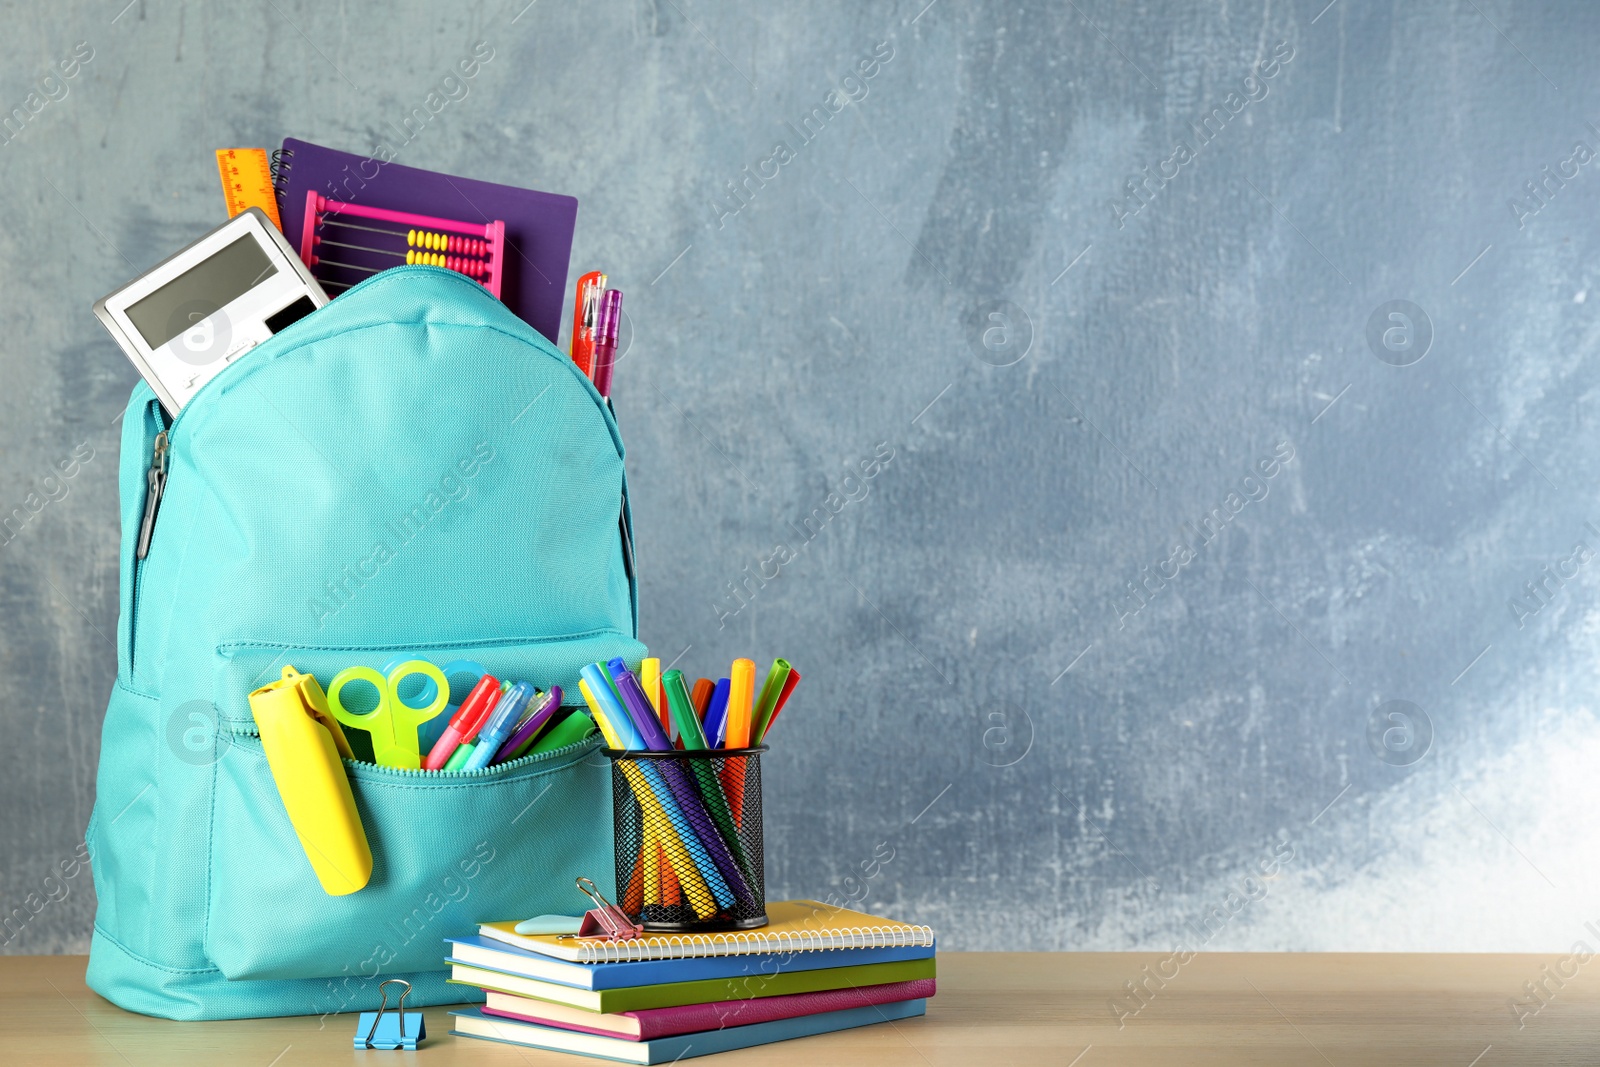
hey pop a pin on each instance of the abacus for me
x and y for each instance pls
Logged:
(476, 250)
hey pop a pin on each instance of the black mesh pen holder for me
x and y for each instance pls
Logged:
(689, 838)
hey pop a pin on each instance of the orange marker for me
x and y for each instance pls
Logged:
(633, 896)
(740, 696)
(741, 693)
(701, 697)
(671, 893)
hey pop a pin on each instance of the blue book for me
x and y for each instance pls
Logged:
(498, 956)
(474, 1023)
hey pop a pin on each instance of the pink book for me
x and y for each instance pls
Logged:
(650, 1023)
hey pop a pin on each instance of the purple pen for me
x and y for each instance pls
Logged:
(605, 339)
(543, 708)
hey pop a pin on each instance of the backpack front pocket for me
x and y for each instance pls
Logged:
(450, 849)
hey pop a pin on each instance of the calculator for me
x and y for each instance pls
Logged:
(199, 310)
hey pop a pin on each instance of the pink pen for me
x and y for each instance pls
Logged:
(605, 339)
(466, 722)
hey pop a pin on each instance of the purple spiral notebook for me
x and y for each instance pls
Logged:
(539, 226)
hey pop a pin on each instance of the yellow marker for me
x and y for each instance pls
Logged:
(647, 854)
(654, 857)
(650, 682)
(247, 182)
(694, 884)
(303, 742)
(655, 852)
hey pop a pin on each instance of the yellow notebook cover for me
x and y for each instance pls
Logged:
(792, 926)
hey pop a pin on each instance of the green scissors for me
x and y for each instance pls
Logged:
(392, 723)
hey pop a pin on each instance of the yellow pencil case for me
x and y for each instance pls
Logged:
(303, 744)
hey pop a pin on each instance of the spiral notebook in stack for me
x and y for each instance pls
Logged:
(792, 926)
(813, 969)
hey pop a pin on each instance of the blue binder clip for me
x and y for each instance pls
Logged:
(389, 1030)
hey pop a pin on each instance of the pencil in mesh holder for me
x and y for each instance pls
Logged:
(689, 838)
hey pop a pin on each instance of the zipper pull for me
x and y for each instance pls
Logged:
(155, 481)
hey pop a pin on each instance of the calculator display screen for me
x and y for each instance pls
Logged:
(201, 291)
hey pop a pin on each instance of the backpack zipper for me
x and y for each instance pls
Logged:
(155, 481)
(525, 760)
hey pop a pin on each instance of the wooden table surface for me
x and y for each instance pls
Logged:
(992, 1009)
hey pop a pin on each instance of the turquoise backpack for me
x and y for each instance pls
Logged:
(410, 471)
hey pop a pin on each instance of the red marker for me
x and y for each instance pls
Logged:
(466, 722)
(783, 698)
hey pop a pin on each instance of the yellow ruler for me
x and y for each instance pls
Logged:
(247, 182)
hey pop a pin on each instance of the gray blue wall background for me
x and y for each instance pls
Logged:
(1039, 710)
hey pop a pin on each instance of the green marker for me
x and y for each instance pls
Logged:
(683, 715)
(767, 703)
(458, 758)
(569, 731)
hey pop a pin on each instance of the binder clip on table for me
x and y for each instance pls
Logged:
(390, 1030)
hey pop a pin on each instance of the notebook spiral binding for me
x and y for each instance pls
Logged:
(279, 164)
(688, 946)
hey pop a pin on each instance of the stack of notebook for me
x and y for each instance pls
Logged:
(812, 969)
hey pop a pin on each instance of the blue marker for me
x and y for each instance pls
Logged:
(502, 720)
(716, 723)
(617, 717)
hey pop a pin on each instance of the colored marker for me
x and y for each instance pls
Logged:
(783, 698)
(458, 758)
(500, 724)
(767, 702)
(601, 718)
(633, 896)
(637, 705)
(539, 711)
(682, 708)
(462, 674)
(671, 891)
(739, 697)
(650, 682)
(701, 696)
(623, 735)
(716, 724)
(740, 694)
(464, 725)
(569, 731)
